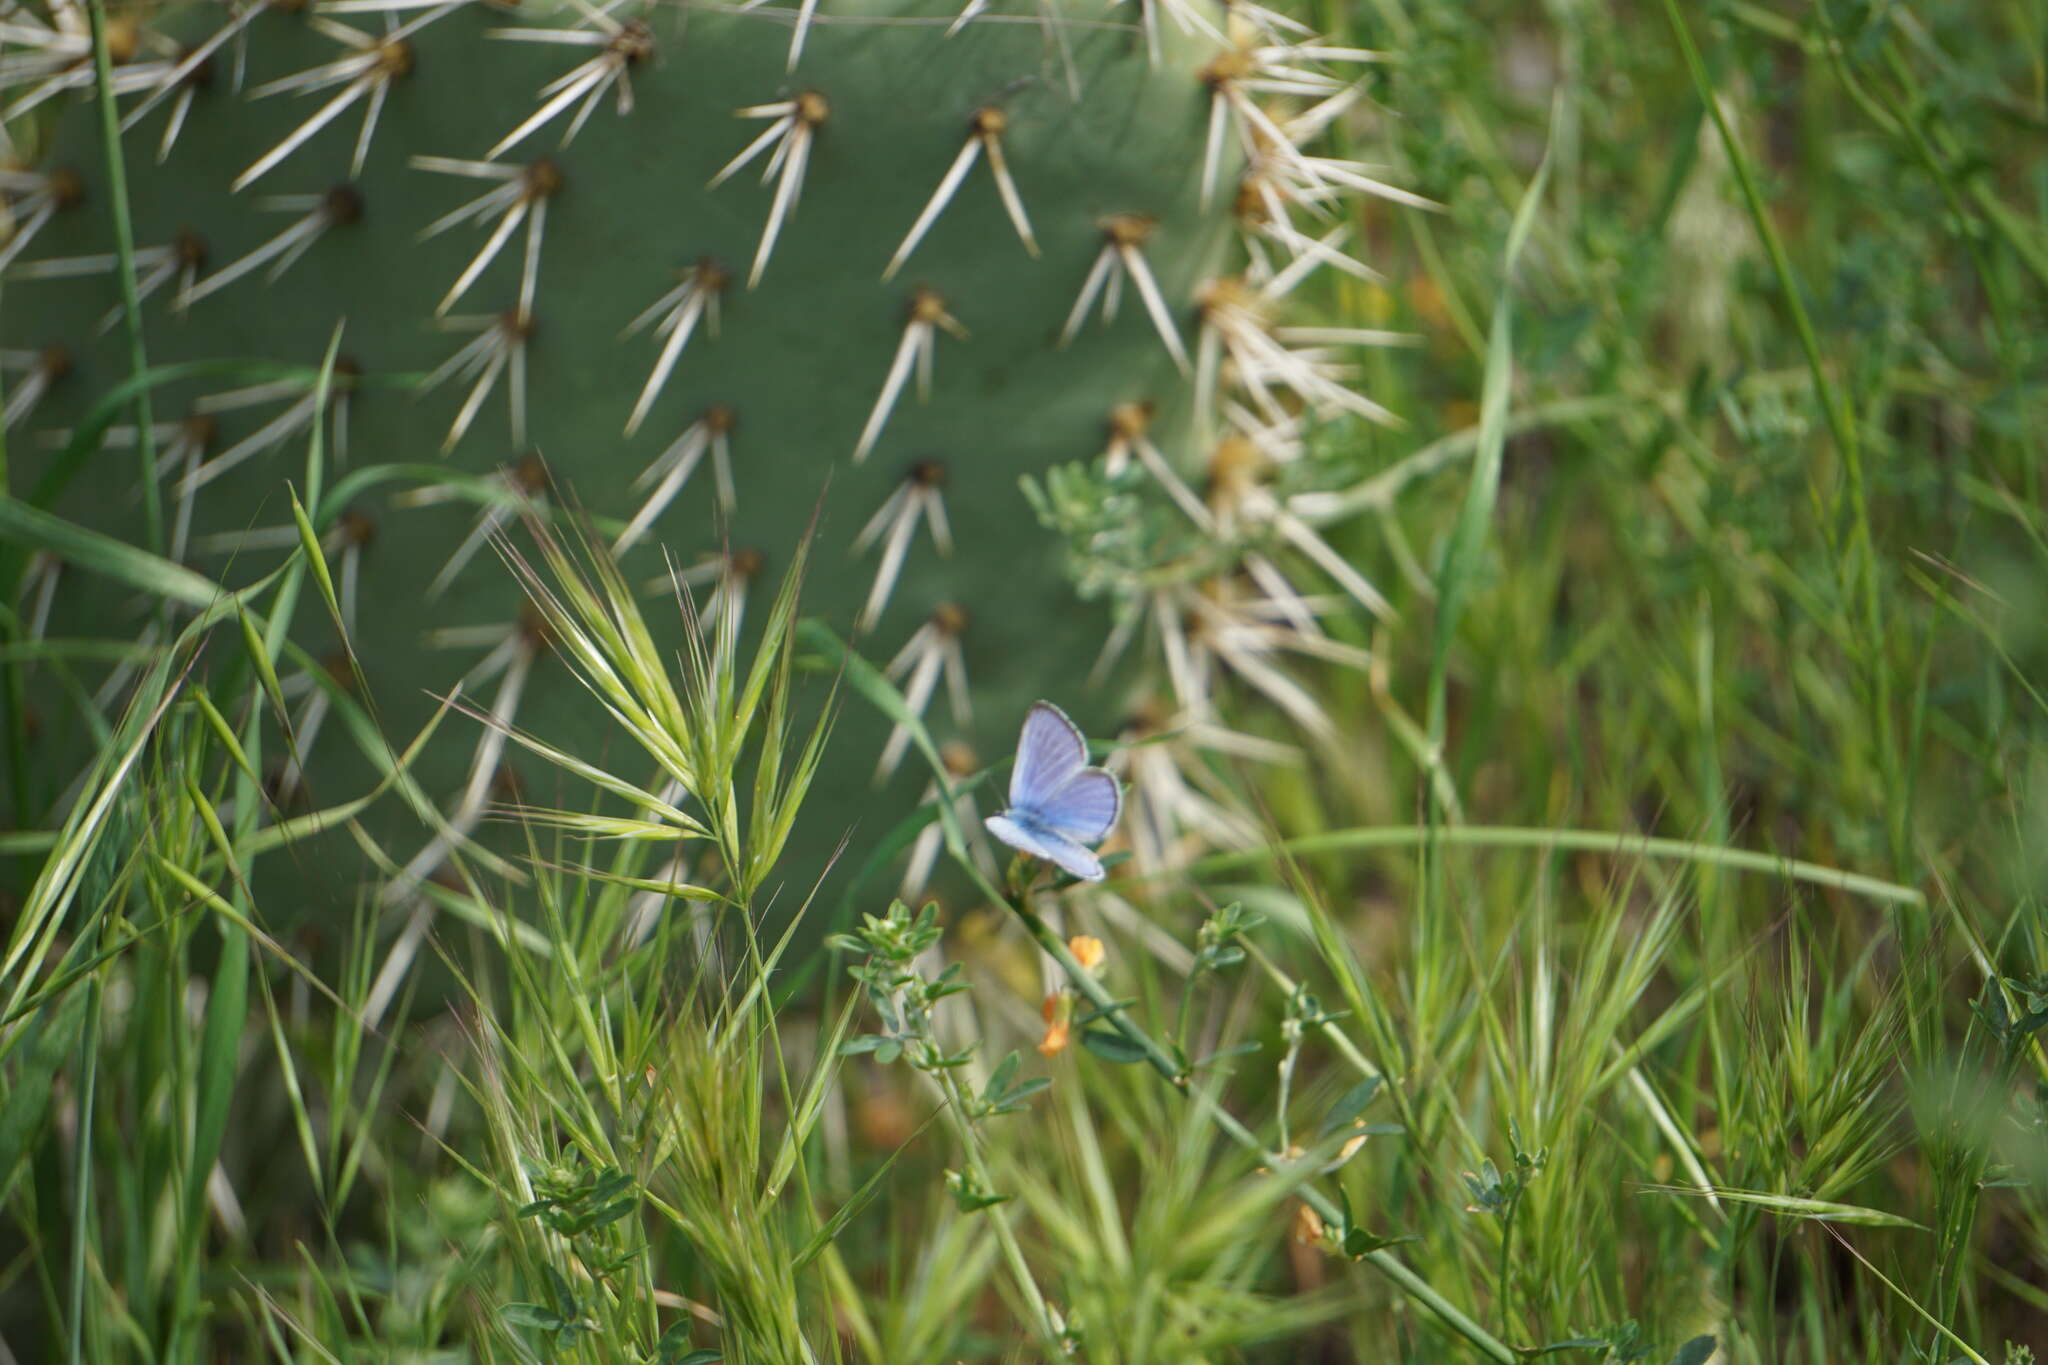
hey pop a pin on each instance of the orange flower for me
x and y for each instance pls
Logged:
(1087, 950)
(1059, 1014)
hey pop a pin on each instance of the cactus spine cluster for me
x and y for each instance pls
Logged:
(691, 267)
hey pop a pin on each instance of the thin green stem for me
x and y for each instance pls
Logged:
(1507, 1247)
(1572, 841)
(124, 251)
(1006, 1236)
(81, 1204)
(1184, 1015)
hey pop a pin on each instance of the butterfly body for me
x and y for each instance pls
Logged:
(1059, 805)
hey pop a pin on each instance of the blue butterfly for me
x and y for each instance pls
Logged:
(1058, 804)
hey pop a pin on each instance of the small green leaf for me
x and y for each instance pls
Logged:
(969, 1195)
(565, 1297)
(1358, 1242)
(1112, 1046)
(999, 1079)
(881, 1044)
(531, 1315)
(1698, 1351)
(1351, 1104)
(674, 1348)
(612, 1213)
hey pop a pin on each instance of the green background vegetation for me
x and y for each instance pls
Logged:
(1718, 519)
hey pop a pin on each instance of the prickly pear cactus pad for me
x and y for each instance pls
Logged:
(698, 270)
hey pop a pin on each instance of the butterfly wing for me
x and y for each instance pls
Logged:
(1027, 835)
(1085, 809)
(1050, 750)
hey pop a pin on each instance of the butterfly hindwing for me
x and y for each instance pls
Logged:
(1085, 808)
(1050, 750)
(1021, 832)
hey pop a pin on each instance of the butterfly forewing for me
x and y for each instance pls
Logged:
(1049, 752)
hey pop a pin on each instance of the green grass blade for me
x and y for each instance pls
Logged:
(26, 526)
(1461, 561)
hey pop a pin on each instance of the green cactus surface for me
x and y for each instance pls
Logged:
(560, 275)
